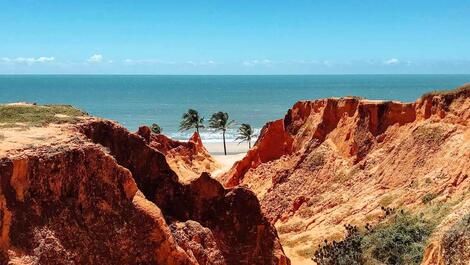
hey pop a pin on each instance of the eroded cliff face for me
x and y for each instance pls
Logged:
(233, 216)
(72, 204)
(102, 195)
(332, 162)
(188, 159)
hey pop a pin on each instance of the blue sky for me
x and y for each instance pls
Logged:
(234, 37)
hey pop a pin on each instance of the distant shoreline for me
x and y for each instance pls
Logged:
(233, 148)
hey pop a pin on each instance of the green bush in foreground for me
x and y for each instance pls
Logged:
(399, 240)
(345, 252)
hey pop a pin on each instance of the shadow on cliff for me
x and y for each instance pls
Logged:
(234, 217)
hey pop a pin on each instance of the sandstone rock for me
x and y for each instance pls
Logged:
(331, 162)
(242, 234)
(102, 195)
(187, 159)
(198, 241)
(75, 205)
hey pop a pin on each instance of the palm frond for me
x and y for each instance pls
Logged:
(230, 123)
(191, 119)
(245, 132)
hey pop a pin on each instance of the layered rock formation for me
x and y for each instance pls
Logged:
(332, 162)
(102, 195)
(94, 193)
(72, 204)
(188, 159)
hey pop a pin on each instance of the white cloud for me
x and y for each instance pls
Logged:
(95, 58)
(147, 61)
(257, 62)
(28, 60)
(45, 59)
(392, 61)
(201, 63)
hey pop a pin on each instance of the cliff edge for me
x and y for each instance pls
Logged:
(338, 161)
(81, 190)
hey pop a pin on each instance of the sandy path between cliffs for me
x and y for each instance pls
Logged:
(235, 152)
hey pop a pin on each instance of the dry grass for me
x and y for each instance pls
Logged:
(386, 200)
(296, 241)
(427, 198)
(455, 241)
(307, 252)
(316, 159)
(450, 92)
(354, 97)
(37, 115)
(431, 134)
(306, 212)
(291, 227)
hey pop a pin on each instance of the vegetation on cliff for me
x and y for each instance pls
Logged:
(456, 242)
(450, 92)
(400, 239)
(37, 115)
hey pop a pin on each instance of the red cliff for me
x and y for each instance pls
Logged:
(331, 162)
(99, 194)
(188, 159)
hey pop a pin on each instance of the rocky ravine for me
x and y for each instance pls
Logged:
(94, 193)
(188, 159)
(332, 162)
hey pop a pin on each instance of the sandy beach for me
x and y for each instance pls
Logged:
(232, 148)
(235, 152)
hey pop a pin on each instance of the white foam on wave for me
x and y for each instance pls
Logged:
(211, 136)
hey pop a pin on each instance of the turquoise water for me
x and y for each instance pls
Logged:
(136, 100)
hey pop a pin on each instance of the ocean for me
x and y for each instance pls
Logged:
(133, 100)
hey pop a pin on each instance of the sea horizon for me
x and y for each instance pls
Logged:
(135, 100)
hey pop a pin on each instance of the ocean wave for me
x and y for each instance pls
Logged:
(210, 136)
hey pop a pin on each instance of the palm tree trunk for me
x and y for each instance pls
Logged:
(225, 148)
(197, 128)
(249, 143)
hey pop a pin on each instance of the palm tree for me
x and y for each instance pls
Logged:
(191, 119)
(245, 133)
(156, 128)
(219, 121)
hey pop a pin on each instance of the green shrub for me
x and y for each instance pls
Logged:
(345, 252)
(316, 159)
(428, 197)
(399, 240)
(431, 134)
(156, 128)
